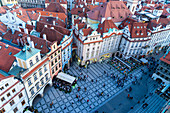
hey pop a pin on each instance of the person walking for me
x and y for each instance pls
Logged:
(87, 100)
(51, 104)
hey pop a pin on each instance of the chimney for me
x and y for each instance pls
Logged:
(20, 11)
(76, 6)
(53, 22)
(32, 44)
(28, 39)
(103, 19)
(45, 26)
(92, 2)
(44, 36)
(52, 27)
(6, 45)
(83, 9)
(109, 18)
(57, 18)
(26, 30)
(15, 14)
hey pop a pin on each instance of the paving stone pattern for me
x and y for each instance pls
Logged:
(68, 103)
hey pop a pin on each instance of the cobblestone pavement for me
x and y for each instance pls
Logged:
(68, 103)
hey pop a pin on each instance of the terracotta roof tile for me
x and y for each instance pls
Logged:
(24, 16)
(39, 43)
(3, 28)
(2, 10)
(82, 25)
(115, 9)
(52, 35)
(49, 20)
(87, 31)
(7, 56)
(33, 15)
(62, 16)
(62, 30)
(56, 7)
(105, 26)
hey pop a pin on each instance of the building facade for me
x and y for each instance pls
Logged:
(32, 3)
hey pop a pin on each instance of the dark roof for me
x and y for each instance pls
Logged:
(52, 35)
(55, 7)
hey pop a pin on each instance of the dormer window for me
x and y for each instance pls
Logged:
(31, 63)
(113, 7)
(37, 59)
(121, 16)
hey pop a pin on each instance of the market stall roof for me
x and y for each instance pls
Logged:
(164, 89)
(123, 62)
(144, 60)
(136, 59)
(66, 77)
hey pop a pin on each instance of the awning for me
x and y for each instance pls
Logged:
(66, 77)
(144, 60)
(165, 88)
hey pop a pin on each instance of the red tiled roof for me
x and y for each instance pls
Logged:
(62, 30)
(52, 35)
(166, 59)
(33, 16)
(2, 10)
(87, 31)
(79, 11)
(3, 28)
(126, 22)
(49, 20)
(24, 17)
(7, 56)
(34, 9)
(58, 1)
(105, 26)
(39, 43)
(138, 29)
(115, 9)
(56, 7)
(29, 27)
(82, 25)
(62, 16)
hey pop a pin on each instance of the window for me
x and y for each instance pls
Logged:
(52, 63)
(6, 84)
(2, 99)
(37, 86)
(46, 76)
(8, 94)
(35, 77)
(40, 72)
(93, 48)
(20, 95)
(13, 90)
(51, 56)
(59, 51)
(29, 82)
(15, 110)
(52, 71)
(88, 44)
(93, 43)
(32, 91)
(87, 49)
(31, 63)
(23, 102)
(59, 65)
(42, 81)
(56, 68)
(2, 110)
(12, 102)
(45, 68)
(59, 57)
(37, 59)
(55, 60)
(2, 88)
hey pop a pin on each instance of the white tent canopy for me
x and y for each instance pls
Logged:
(144, 60)
(66, 77)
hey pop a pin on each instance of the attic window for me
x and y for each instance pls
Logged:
(100, 15)
(129, 13)
(117, 7)
(101, 5)
(113, 7)
(36, 44)
(41, 46)
(136, 32)
(123, 7)
(92, 11)
(113, 17)
(46, 13)
(126, 21)
(101, 28)
(10, 53)
(41, 19)
(129, 22)
(47, 19)
(121, 16)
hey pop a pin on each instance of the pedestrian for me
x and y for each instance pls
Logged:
(65, 107)
(78, 89)
(85, 88)
(128, 95)
(131, 107)
(138, 102)
(103, 85)
(91, 80)
(96, 80)
(51, 104)
(87, 100)
(77, 96)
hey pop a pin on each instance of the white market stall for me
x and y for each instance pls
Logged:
(144, 60)
(66, 77)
